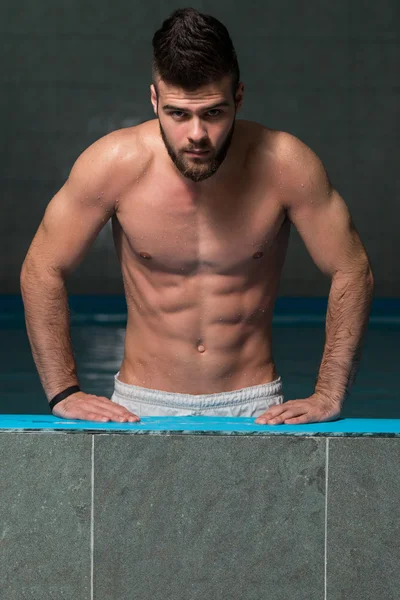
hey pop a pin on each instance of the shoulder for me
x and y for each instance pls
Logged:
(294, 170)
(281, 147)
(118, 149)
(266, 147)
(296, 154)
(299, 172)
(111, 165)
(114, 160)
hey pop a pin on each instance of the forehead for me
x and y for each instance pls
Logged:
(211, 92)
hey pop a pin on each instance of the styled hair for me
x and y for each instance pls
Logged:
(192, 49)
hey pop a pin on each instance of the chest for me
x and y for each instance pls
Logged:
(236, 229)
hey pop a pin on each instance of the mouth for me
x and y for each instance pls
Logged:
(197, 152)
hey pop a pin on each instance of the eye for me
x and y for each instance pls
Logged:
(177, 113)
(216, 112)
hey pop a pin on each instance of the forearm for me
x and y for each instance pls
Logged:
(47, 322)
(347, 317)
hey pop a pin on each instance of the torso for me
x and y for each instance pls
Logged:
(201, 271)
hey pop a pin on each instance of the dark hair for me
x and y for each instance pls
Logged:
(193, 49)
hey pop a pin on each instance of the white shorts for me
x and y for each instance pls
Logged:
(251, 401)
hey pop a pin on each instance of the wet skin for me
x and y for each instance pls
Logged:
(201, 260)
(201, 205)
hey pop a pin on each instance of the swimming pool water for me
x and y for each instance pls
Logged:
(297, 346)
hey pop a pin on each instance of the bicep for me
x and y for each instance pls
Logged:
(72, 220)
(328, 232)
(321, 216)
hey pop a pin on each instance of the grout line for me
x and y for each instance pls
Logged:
(92, 524)
(326, 517)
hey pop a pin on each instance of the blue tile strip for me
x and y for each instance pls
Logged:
(204, 425)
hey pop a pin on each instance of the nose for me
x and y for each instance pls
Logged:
(198, 132)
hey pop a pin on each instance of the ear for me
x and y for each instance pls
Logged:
(153, 98)
(239, 96)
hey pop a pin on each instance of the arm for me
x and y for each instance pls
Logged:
(71, 222)
(325, 225)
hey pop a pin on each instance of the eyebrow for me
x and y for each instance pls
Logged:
(180, 109)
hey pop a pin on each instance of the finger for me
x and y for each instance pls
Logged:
(271, 421)
(298, 406)
(92, 416)
(309, 417)
(298, 414)
(271, 413)
(286, 413)
(114, 407)
(115, 411)
(278, 420)
(298, 420)
(120, 415)
(97, 411)
(101, 416)
(128, 418)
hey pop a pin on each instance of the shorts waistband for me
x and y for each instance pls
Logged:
(178, 400)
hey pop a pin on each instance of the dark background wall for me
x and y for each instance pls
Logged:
(323, 70)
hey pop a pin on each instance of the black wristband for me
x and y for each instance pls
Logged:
(64, 394)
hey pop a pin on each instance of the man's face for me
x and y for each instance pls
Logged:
(197, 127)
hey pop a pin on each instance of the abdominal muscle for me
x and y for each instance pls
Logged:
(197, 337)
(201, 276)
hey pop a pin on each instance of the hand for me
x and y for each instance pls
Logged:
(89, 407)
(314, 409)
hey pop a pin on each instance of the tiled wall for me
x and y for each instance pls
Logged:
(325, 71)
(117, 516)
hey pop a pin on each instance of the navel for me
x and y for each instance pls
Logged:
(200, 346)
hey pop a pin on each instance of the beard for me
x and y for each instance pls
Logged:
(205, 169)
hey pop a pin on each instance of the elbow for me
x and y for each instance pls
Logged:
(26, 277)
(360, 272)
(371, 283)
(28, 271)
(368, 273)
(367, 277)
(35, 274)
(371, 278)
(23, 275)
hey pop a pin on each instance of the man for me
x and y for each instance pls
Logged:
(201, 207)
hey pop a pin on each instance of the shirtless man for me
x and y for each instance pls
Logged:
(201, 207)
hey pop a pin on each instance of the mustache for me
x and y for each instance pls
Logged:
(199, 148)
